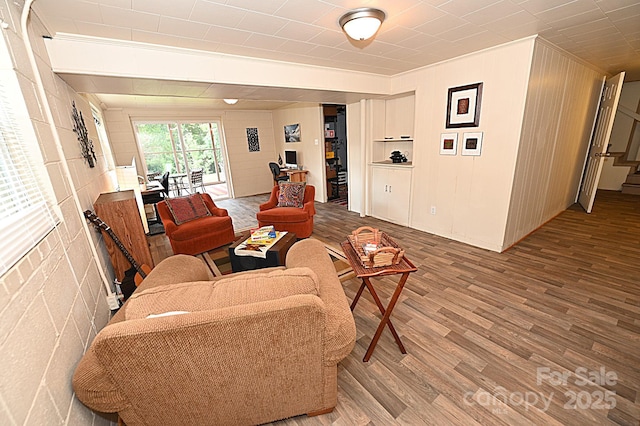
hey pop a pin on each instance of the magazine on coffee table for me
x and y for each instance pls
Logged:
(257, 249)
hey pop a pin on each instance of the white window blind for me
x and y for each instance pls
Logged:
(26, 205)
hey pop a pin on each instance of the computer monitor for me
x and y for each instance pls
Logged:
(291, 159)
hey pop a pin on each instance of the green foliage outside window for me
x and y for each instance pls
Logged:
(157, 141)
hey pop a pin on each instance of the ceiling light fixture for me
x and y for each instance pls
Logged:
(230, 101)
(362, 23)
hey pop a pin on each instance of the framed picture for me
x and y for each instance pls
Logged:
(252, 139)
(448, 144)
(472, 143)
(292, 133)
(463, 106)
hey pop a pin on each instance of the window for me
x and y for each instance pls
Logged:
(179, 147)
(26, 208)
(102, 135)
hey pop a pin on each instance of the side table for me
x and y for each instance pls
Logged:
(404, 268)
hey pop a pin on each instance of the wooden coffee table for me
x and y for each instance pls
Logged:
(404, 268)
(276, 254)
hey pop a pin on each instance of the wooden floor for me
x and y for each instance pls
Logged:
(496, 339)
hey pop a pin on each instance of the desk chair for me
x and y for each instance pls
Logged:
(165, 183)
(196, 180)
(275, 170)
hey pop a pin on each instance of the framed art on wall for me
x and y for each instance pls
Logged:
(472, 143)
(448, 144)
(292, 133)
(252, 139)
(463, 106)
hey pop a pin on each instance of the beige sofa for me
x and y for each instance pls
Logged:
(248, 348)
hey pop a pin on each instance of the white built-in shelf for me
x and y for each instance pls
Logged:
(391, 163)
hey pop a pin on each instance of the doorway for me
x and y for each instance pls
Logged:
(182, 147)
(335, 151)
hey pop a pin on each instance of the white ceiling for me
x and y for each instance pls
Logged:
(604, 33)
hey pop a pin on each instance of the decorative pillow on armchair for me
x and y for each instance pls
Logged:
(291, 194)
(184, 209)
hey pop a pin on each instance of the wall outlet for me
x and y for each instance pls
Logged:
(315, 142)
(112, 301)
(433, 209)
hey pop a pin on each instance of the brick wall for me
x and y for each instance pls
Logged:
(52, 303)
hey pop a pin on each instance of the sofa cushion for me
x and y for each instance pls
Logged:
(185, 209)
(235, 290)
(291, 194)
(196, 228)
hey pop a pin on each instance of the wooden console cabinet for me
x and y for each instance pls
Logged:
(119, 210)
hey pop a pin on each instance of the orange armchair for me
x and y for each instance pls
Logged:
(198, 235)
(291, 219)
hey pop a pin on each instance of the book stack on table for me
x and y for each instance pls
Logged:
(263, 235)
(260, 241)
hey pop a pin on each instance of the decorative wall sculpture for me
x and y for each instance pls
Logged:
(83, 136)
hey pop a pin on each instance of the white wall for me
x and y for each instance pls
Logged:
(622, 125)
(471, 194)
(613, 177)
(250, 170)
(53, 301)
(122, 138)
(310, 154)
(357, 164)
(561, 103)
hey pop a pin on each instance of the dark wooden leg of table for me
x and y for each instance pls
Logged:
(386, 315)
(382, 311)
(358, 294)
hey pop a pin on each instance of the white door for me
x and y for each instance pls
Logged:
(600, 140)
(379, 192)
(398, 205)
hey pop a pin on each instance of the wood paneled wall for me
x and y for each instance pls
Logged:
(470, 193)
(559, 111)
(250, 170)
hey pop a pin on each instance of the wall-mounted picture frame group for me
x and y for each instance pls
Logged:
(292, 133)
(463, 106)
(472, 143)
(448, 144)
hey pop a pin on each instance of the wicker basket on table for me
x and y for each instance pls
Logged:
(387, 252)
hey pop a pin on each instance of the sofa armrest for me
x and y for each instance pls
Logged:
(310, 208)
(166, 217)
(172, 270)
(341, 327)
(217, 211)
(211, 205)
(176, 269)
(273, 200)
(235, 353)
(94, 386)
